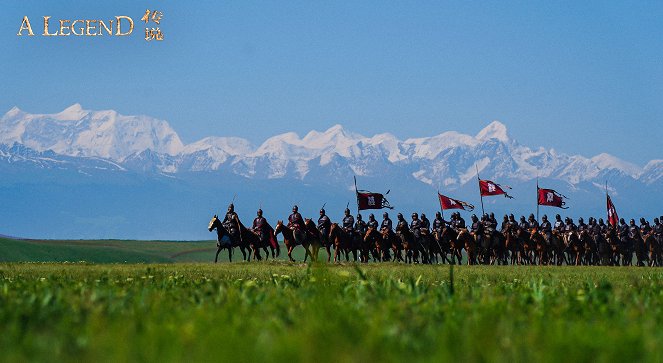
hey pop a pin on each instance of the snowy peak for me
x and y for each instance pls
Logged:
(74, 112)
(495, 130)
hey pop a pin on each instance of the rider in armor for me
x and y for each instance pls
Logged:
(415, 225)
(602, 226)
(372, 223)
(633, 229)
(559, 225)
(296, 223)
(402, 223)
(425, 223)
(459, 222)
(477, 227)
(348, 221)
(645, 228)
(546, 227)
(493, 221)
(569, 226)
(532, 222)
(581, 225)
(324, 224)
(658, 230)
(360, 226)
(260, 226)
(386, 222)
(231, 222)
(438, 223)
(523, 224)
(622, 229)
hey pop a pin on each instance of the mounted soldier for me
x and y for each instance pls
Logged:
(324, 224)
(425, 223)
(372, 223)
(438, 223)
(415, 226)
(645, 227)
(231, 223)
(533, 223)
(581, 225)
(386, 222)
(360, 226)
(523, 225)
(260, 228)
(559, 225)
(546, 228)
(401, 224)
(296, 224)
(348, 222)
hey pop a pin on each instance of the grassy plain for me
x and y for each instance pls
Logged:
(280, 312)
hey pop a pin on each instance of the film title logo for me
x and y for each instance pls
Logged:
(118, 26)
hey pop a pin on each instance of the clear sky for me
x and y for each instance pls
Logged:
(580, 76)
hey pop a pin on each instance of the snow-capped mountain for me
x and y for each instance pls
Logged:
(136, 166)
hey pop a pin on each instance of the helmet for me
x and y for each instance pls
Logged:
(642, 220)
(259, 212)
(295, 208)
(347, 211)
(492, 215)
(632, 221)
(522, 218)
(580, 220)
(531, 216)
(385, 215)
(545, 217)
(322, 211)
(400, 216)
(231, 207)
(358, 217)
(474, 217)
(438, 214)
(423, 215)
(511, 216)
(371, 216)
(415, 215)
(656, 221)
(558, 217)
(621, 220)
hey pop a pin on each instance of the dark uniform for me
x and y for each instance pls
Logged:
(260, 226)
(532, 222)
(324, 224)
(360, 226)
(438, 223)
(546, 228)
(559, 225)
(402, 224)
(386, 222)
(415, 225)
(348, 222)
(645, 228)
(523, 224)
(296, 223)
(425, 223)
(230, 222)
(658, 230)
(372, 223)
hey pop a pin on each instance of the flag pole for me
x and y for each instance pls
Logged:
(537, 199)
(356, 193)
(438, 200)
(480, 195)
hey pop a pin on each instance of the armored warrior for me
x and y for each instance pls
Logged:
(348, 222)
(231, 222)
(372, 223)
(360, 226)
(386, 222)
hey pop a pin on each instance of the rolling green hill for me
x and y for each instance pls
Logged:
(117, 251)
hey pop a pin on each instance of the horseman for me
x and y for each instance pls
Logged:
(622, 229)
(523, 225)
(425, 223)
(533, 223)
(415, 226)
(645, 227)
(581, 225)
(633, 229)
(493, 221)
(438, 223)
(488, 226)
(260, 227)
(296, 224)
(476, 228)
(348, 222)
(360, 226)
(505, 224)
(513, 225)
(386, 222)
(559, 225)
(231, 223)
(603, 228)
(372, 223)
(569, 226)
(658, 230)
(546, 228)
(324, 224)
(457, 222)
(402, 223)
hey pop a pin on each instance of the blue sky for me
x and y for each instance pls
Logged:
(582, 77)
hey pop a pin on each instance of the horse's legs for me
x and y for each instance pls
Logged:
(216, 258)
(290, 248)
(230, 254)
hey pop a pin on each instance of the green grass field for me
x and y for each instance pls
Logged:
(293, 312)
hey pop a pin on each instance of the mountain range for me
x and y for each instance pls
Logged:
(100, 174)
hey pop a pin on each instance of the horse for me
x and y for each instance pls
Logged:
(449, 240)
(557, 248)
(392, 240)
(407, 241)
(289, 239)
(375, 239)
(641, 251)
(221, 243)
(653, 248)
(540, 247)
(341, 241)
(317, 240)
(469, 242)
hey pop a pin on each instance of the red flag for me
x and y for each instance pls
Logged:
(613, 218)
(449, 203)
(488, 188)
(368, 200)
(551, 198)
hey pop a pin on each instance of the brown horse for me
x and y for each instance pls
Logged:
(289, 239)
(654, 248)
(540, 247)
(449, 241)
(341, 241)
(407, 241)
(374, 240)
(469, 242)
(392, 240)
